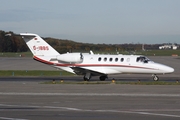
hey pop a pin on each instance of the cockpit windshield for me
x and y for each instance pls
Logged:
(143, 59)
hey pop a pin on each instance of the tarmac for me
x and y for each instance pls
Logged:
(30, 99)
(26, 100)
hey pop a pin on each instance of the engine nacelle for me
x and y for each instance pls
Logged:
(70, 58)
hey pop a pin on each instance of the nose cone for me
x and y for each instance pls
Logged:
(167, 69)
(164, 68)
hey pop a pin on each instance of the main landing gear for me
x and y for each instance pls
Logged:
(87, 77)
(103, 77)
(155, 77)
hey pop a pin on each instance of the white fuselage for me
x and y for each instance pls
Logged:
(114, 64)
(92, 64)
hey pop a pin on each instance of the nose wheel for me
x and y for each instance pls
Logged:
(155, 77)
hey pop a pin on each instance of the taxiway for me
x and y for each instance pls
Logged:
(26, 98)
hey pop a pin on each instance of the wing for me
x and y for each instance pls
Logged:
(83, 71)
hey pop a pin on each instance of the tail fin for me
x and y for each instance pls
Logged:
(37, 45)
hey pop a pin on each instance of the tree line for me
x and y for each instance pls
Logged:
(11, 43)
(16, 44)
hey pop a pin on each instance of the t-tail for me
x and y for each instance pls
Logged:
(38, 46)
(44, 53)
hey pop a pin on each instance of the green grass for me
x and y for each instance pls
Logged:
(33, 73)
(146, 53)
(109, 82)
(18, 54)
(74, 82)
(161, 52)
(39, 73)
(150, 83)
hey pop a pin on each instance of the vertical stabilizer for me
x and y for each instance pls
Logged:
(38, 46)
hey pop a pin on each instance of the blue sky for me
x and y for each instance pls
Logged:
(95, 21)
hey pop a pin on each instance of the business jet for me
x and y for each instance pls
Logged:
(90, 64)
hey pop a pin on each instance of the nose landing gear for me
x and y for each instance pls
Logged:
(155, 77)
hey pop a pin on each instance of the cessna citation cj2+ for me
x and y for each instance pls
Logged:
(91, 64)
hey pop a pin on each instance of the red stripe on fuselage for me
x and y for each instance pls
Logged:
(43, 61)
(86, 65)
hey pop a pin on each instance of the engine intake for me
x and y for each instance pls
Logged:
(70, 58)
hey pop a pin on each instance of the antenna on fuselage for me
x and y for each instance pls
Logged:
(117, 51)
(91, 52)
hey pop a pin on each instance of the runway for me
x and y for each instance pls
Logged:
(31, 100)
(26, 98)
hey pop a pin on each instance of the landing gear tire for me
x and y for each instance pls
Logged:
(155, 78)
(102, 78)
(87, 76)
(86, 79)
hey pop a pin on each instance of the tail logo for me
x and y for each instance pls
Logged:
(41, 48)
(34, 47)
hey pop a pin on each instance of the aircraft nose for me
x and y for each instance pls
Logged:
(165, 69)
(168, 69)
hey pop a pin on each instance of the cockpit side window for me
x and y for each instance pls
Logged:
(139, 59)
(142, 59)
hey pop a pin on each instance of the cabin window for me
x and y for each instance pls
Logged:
(105, 59)
(116, 59)
(122, 59)
(110, 59)
(99, 59)
(128, 59)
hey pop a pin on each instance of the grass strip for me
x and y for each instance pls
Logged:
(109, 82)
(8, 73)
(168, 52)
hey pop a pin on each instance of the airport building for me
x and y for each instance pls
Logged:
(174, 47)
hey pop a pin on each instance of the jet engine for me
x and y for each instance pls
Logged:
(70, 58)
